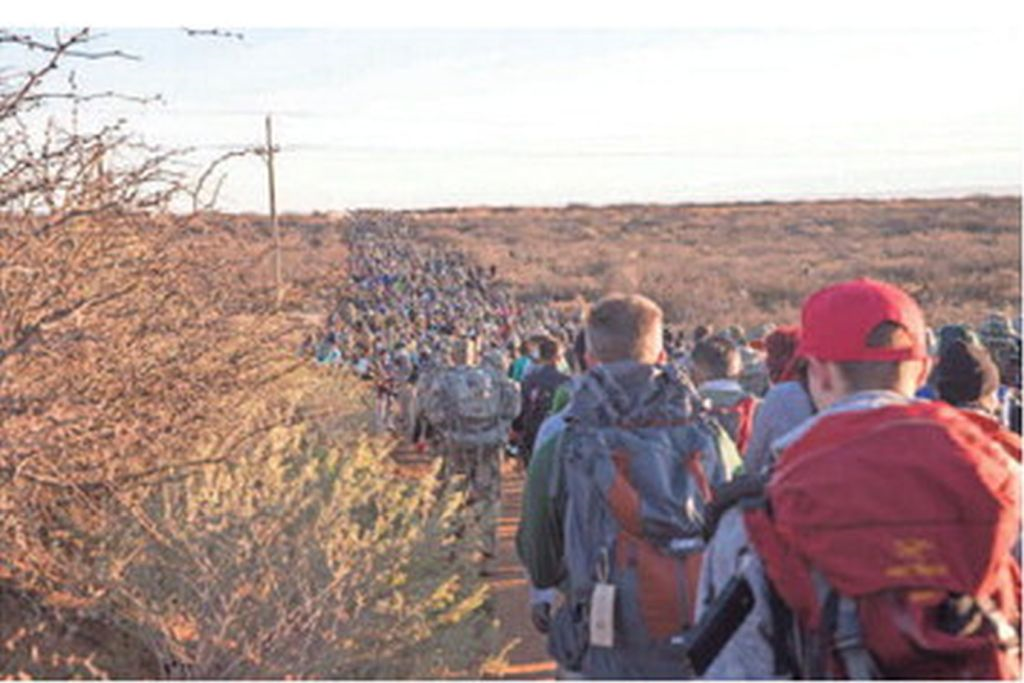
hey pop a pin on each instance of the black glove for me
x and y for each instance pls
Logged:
(540, 615)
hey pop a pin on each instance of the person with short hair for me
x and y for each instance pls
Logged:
(702, 331)
(620, 493)
(714, 359)
(716, 367)
(967, 378)
(538, 535)
(522, 363)
(538, 391)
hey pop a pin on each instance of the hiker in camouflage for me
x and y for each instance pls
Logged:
(472, 409)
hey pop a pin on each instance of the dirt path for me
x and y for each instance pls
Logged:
(528, 659)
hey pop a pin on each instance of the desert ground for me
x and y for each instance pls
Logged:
(752, 262)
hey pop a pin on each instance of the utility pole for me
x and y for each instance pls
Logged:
(273, 211)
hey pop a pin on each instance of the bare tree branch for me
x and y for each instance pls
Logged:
(64, 47)
(197, 205)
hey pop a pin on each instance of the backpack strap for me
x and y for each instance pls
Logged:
(848, 641)
(813, 644)
(745, 488)
(783, 635)
(839, 632)
(613, 399)
(1005, 633)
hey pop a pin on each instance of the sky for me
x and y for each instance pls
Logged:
(419, 117)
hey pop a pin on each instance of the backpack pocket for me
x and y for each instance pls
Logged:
(655, 596)
(567, 642)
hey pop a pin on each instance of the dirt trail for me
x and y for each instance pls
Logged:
(529, 658)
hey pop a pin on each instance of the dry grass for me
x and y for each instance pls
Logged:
(748, 263)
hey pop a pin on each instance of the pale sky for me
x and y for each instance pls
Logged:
(426, 117)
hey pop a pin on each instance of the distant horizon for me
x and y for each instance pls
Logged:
(940, 195)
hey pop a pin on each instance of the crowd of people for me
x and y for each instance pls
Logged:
(838, 498)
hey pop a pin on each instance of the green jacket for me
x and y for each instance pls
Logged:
(539, 539)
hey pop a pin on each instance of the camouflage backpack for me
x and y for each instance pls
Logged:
(471, 406)
(639, 467)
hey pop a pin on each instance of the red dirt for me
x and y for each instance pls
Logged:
(529, 658)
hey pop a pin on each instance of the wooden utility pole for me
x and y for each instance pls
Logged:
(273, 211)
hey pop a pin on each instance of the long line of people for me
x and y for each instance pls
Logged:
(834, 499)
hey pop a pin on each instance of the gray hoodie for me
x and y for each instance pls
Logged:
(785, 406)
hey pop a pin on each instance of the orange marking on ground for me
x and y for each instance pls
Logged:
(509, 569)
(530, 668)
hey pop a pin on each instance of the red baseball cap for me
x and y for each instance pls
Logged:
(837, 321)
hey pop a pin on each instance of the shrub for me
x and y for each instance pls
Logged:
(309, 557)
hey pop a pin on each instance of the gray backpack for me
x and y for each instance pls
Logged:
(469, 406)
(639, 467)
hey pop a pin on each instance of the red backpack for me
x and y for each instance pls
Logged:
(888, 534)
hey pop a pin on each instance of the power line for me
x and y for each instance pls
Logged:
(362, 150)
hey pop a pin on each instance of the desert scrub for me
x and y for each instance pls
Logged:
(309, 557)
(179, 493)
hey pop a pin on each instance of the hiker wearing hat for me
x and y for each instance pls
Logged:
(881, 544)
(944, 339)
(966, 377)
